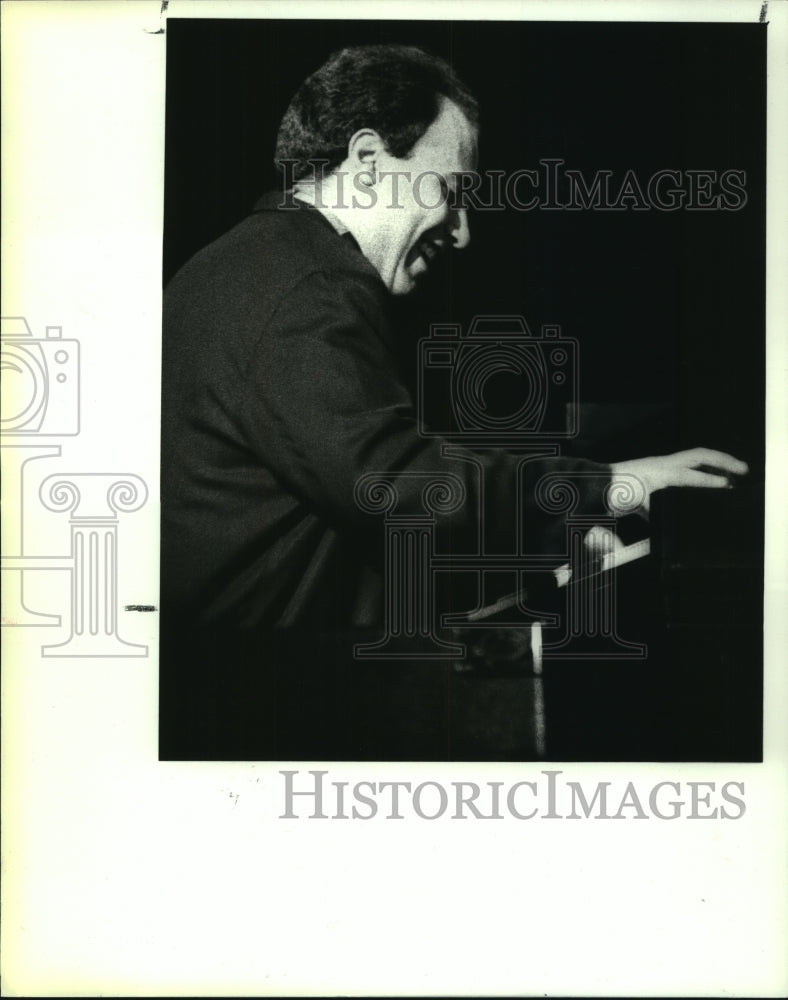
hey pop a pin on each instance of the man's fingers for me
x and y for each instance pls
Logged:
(697, 467)
(692, 477)
(715, 459)
(600, 541)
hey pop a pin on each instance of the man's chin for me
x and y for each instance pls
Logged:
(404, 284)
(407, 279)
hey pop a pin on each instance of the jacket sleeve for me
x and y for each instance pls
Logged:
(324, 408)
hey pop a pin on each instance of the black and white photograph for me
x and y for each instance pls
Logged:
(463, 391)
(392, 441)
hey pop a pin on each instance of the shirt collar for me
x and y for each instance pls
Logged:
(304, 196)
(274, 199)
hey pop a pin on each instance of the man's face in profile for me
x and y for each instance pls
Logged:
(414, 222)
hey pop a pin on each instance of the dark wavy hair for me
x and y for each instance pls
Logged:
(395, 89)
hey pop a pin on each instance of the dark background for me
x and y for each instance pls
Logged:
(668, 307)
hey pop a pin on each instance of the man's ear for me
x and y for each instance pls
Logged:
(364, 151)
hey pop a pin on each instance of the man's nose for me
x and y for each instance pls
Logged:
(460, 231)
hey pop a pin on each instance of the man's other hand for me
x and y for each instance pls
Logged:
(698, 467)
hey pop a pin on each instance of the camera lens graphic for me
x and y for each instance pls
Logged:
(24, 386)
(500, 386)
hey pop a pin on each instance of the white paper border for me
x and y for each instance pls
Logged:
(124, 876)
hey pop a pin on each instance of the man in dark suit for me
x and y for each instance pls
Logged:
(280, 392)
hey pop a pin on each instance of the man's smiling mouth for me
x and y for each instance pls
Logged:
(423, 255)
(429, 250)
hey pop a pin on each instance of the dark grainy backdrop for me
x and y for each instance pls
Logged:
(668, 306)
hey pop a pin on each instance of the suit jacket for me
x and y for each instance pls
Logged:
(280, 391)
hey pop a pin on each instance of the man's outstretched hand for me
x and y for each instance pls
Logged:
(702, 467)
